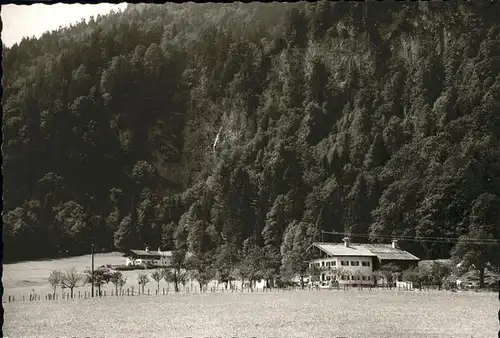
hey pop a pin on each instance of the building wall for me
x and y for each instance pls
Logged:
(328, 265)
(163, 261)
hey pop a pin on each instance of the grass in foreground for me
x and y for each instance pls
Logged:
(377, 313)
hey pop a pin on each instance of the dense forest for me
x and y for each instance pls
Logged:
(240, 131)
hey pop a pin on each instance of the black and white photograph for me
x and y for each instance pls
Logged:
(324, 169)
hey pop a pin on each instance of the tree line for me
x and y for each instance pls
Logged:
(184, 271)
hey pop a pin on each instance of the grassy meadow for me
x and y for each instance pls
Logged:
(325, 313)
(22, 278)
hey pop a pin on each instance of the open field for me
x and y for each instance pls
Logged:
(22, 278)
(326, 313)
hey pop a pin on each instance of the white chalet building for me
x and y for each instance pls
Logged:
(350, 263)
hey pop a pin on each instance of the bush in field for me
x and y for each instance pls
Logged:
(412, 275)
(55, 279)
(129, 267)
(118, 280)
(450, 283)
(102, 275)
(200, 267)
(389, 272)
(424, 277)
(142, 279)
(439, 273)
(122, 282)
(183, 279)
(70, 279)
(157, 277)
(175, 273)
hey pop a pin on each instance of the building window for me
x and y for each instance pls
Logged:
(366, 263)
(363, 278)
(343, 277)
(328, 264)
(344, 263)
(333, 263)
(322, 263)
(355, 263)
(317, 264)
(368, 277)
(328, 277)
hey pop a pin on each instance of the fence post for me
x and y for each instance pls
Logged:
(499, 299)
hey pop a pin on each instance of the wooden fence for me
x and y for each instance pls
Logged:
(79, 294)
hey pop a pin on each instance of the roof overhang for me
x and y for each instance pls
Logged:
(318, 247)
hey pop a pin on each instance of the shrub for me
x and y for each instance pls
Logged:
(128, 267)
(135, 267)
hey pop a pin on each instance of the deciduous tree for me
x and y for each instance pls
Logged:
(70, 279)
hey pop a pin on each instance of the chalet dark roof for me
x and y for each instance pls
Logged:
(387, 252)
(381, 251)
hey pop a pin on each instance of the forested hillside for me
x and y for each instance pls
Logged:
(241, 131)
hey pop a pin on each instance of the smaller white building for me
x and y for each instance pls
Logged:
(146, 257)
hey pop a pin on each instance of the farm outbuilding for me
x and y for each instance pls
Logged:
(147, 257)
